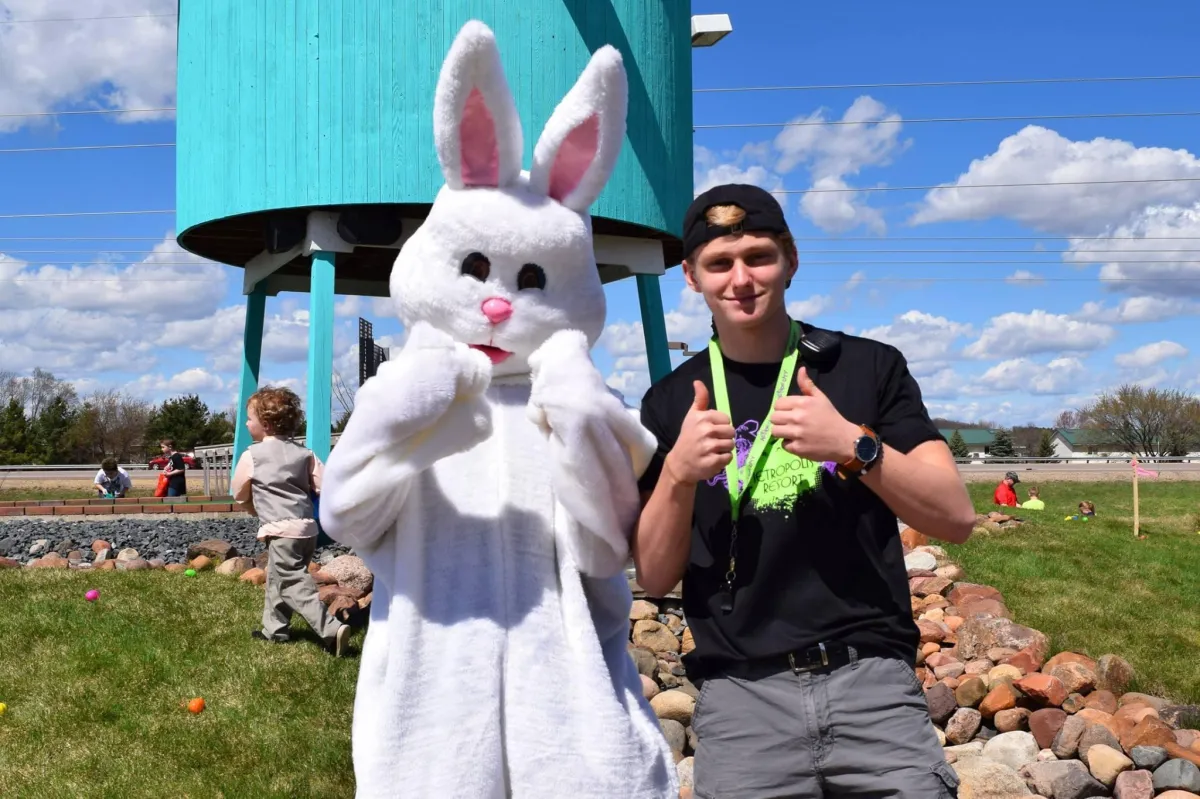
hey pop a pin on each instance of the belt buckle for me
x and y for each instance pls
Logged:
(812, 653)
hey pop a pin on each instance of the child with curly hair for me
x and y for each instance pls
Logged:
(275, 480)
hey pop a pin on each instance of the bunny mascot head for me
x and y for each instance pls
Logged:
(505, 257)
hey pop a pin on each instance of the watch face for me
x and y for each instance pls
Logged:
(865, 449)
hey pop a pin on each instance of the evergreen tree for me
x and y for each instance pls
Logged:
(1045, 448)
(14, 431)
(51, 440)
(1002, 444)
(958, 446)
(183, 419)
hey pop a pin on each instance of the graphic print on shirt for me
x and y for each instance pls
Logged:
(782, 478)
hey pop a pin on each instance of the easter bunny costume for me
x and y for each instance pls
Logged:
(488, 476)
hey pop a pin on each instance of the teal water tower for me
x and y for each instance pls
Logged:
(306, 156)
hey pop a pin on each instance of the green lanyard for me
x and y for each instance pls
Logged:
(739, 489)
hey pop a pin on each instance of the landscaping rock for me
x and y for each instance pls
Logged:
(963, 725)
(1003, 673)
(1101, 700)
(942, 703)
(99, 545)
(1012, 720)
(1134, 785)
(644, 659)
(1149, 757)
(685, 772)
(1076, 782)
(675, 734)
(39, 546)
(133, 565)
(920, 560)
(1075, 677)
(1177, 775)
(326, 593)
(980, 778)
(1044, 724)
(1150, 731)
(1002, 697)
(1049, 690)
(1095, 735)
(1013, 749)
(176, 568)
(212, 548)
(1106, 763)
(654, 636)
(970, 692)
(1066, 743)
(649, 687)
(1113, 674)
(9, 563)
(641, 610)
(129, 553)
(322, 577)
(1144, 699)
(674, 705)
(980, 633)
(255, 576)
(351, 571)
(200, 563)
(235, 567)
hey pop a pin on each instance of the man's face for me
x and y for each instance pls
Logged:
(742, 277)
(110, 475)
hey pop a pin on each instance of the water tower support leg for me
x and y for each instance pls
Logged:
(320, 353)
(654, 326)
(256, 303)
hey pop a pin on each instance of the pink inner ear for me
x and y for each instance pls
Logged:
(575, 155)
(477, 140)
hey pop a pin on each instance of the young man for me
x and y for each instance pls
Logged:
(112, 480)
(799, 603)
(1004, 493)
(175, 470)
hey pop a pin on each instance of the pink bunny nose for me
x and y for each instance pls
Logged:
(497, 310)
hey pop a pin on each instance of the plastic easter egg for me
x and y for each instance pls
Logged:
(92, 596)
(196, 705)
(3, 707)
(190, 573)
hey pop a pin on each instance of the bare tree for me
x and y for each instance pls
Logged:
(1147, 422)
(13, 387)
(113, 422)
(1067, 420)
(344, 396)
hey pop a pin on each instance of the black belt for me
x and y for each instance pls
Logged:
(816, 659)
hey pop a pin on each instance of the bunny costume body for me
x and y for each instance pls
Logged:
(488, 476)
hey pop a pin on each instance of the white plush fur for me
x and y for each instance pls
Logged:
(494, 504)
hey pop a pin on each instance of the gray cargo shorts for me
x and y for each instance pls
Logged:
(861, 730)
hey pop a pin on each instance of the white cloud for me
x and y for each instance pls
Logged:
(943, 383)
(920, 336)
(189, 381)
(871, 139)
(833, 152)
(1016, 334)
(840, 211)
(710, 168)
(1150, 355)
(1138, 309)
(854, 281)
(1059, 376)
(1023, 277)
(128, 63)
(1039, 155)
(1138, 257)
(810, 308)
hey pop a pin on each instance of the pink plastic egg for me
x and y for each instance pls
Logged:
(92, 595)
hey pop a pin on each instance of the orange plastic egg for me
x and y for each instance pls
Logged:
(196, 705)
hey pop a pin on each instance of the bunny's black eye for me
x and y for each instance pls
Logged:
(477, 266)
(531, 276)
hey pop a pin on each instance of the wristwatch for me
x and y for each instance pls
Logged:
(868, 451)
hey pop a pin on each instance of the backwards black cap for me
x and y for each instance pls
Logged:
(763, 214)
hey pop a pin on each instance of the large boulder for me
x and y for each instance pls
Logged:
(981, 778)
(350, 571)
(978, 634)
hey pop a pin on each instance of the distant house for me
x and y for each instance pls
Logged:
(1076, 442)
(979, 440)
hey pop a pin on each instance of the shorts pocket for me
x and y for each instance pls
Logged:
(910, 676)
(698, 708)
(948, 780)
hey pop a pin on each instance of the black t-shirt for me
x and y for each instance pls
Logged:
(178, 481)
(818, 556)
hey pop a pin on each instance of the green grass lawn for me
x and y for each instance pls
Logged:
(1095, 589)
(94, 692)
(82, 491)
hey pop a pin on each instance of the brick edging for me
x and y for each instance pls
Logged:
(110, 507)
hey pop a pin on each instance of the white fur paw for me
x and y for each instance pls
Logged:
(564, 346)
(475, 371)
(424, 336)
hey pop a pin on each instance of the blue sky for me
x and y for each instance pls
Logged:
(1012, 341)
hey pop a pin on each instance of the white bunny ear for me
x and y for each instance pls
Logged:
(475, 123)
(578, 148)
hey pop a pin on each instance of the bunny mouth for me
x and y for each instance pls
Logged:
(495, 354)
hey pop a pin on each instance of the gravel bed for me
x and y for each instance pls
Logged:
(167, 539)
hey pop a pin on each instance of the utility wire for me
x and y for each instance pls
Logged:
(86, 147)
(84, 213)
(943, 251)
(986, 185)
(877, 239)
(87, 112)
(824, 122)
(681, 281)
(924, 84)
(958, 263)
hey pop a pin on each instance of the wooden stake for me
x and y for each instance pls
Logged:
(1136, 516)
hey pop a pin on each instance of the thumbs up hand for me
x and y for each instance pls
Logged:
(705, 444)
(811, 427)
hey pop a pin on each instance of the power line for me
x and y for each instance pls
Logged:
(84, 19)
(84, 213)
(88, 112)
(823, 122)
(797, 238)
(925, 84)
(987, 185)
(86, 147)
(1011, 279)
